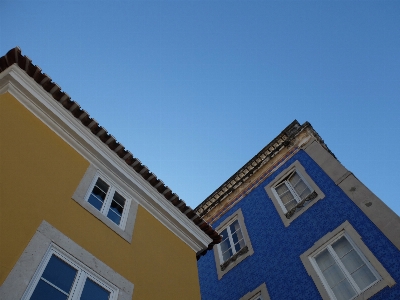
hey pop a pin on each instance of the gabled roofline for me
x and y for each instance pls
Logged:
(99, 135)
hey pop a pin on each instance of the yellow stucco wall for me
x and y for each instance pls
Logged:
(39, 172)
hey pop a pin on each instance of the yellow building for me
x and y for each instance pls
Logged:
(80, 217)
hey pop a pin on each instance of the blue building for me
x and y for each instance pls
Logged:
(296, 224)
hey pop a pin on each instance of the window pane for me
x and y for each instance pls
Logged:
(224, 234)
(352, 261)
(100, 189)
(331, 271)
(101, 185)
(291, 204)
(96, 202)
(59, 273)
(116, 208)
(239, 245)
(333, 275)
(342, 246)
(303, 191)
(299, 186)
(344, 291)
(118, 203)
(237, 236)
(116, 218)
(281, 190)
(287, 199)
(44, 291)
(363, 277)
(324, 260)
(227, 254)
(98, 194)
(234, 226)
(286, 196)
(92, 290)
(225, 245)
(295, 180)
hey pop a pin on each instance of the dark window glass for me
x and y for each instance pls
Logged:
(59, 275)
(98, 194)
(92, 291)
(234, 226)
(225, 245)
(227, 254)
(224, 234)
(116, 208)
(114, 217)
(44, 291)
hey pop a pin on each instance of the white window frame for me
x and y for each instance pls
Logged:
(85, 187)
(46, 236)
(273, 195)
(237, 215)
(231, 242)
(109, 197)
(345, 229)
(291, 188)
(83, 273)
(342, 267)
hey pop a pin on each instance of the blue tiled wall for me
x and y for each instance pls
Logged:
(277, 249)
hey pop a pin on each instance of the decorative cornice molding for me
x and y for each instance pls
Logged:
(249, 186)
(285, 140)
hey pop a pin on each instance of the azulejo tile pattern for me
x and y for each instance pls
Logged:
(277, 249)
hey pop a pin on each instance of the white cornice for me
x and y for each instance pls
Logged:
(64, 124)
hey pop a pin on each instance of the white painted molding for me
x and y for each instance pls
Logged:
(38, 101)
(45, 237)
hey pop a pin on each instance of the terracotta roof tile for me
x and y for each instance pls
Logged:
(14, 56)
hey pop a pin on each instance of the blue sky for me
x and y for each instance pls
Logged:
(194, 89)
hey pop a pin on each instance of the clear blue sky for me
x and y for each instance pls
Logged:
(194, 89)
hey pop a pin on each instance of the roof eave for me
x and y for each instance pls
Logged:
(20, 68)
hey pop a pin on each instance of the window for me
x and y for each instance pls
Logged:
(108, 201)
(232, 241)
(257, 297)
(343, 267)
(61, 277)
(33, 264)
(292, 192)
(235, 245)
(260, 293)
(107, 198)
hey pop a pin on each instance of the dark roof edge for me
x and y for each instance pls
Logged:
(284, 139)
(14, 56)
